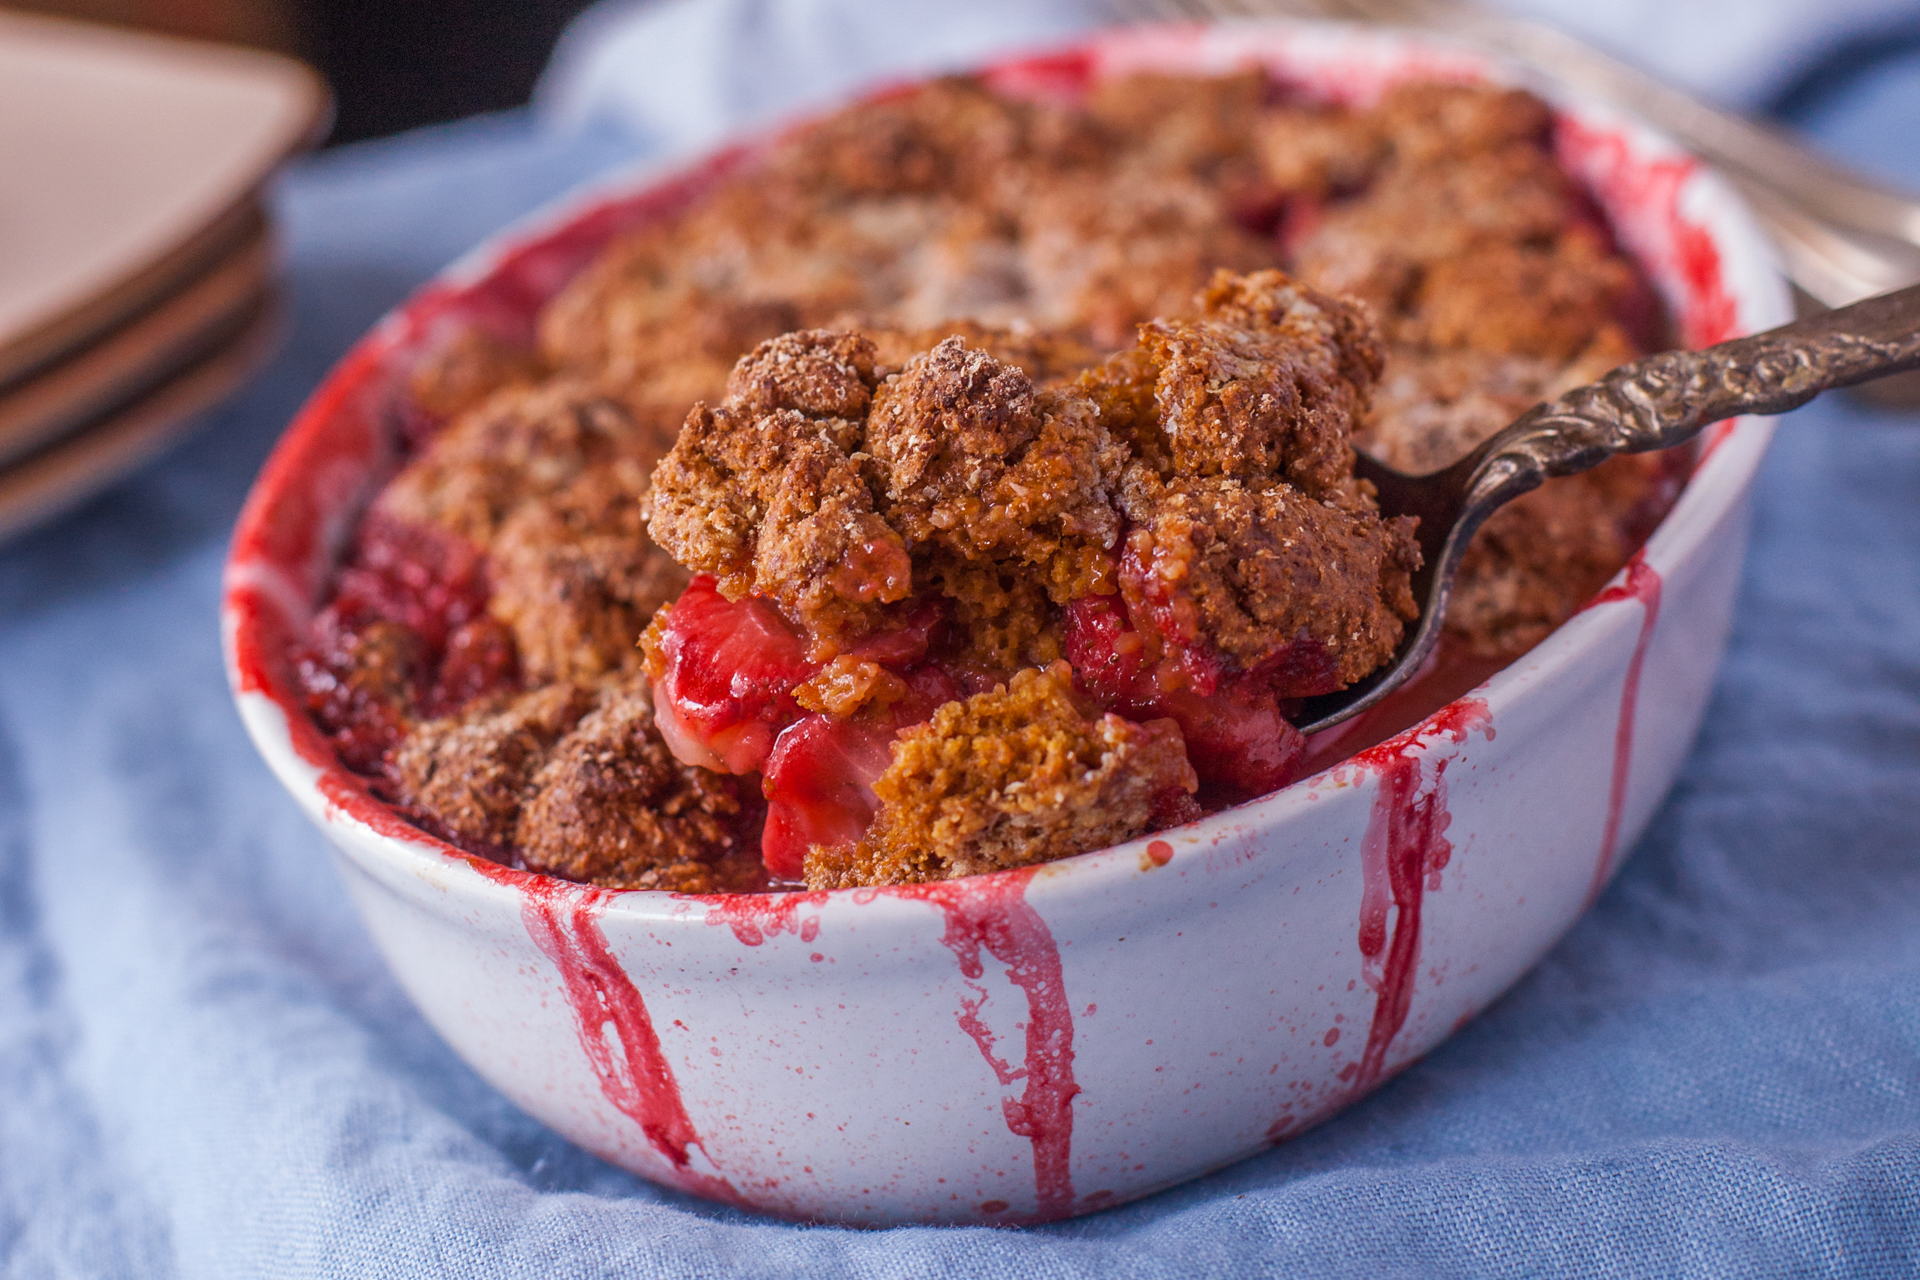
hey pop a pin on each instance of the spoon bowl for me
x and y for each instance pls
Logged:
(1654, 403)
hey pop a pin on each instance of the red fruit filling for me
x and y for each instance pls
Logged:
(820, 778)
(424, 578)
(728, 672)
(410, 613)
(1238, 738)
(729, 668)
(724, 699)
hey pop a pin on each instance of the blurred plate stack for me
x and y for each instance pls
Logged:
(137, 256)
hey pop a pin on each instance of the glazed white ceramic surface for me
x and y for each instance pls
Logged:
(1052, 1041)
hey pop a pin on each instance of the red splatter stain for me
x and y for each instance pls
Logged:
(1401, 856)
(1332, 1037)
(755, 917)
(1643, 584)
(562, 920)
(992, 912)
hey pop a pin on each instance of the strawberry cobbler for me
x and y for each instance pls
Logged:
(971, 483)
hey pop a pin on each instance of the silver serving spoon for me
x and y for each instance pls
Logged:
(1655, 403)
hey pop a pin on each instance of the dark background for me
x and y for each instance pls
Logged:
(393, 64)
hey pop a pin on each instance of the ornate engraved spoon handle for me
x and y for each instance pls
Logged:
(1666, 399)
(1650, 404)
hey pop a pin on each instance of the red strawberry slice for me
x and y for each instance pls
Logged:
(819, 787)
(901, 646)
(1238, 740)
(1108, 656)
(730, 670)
(820, 776)
(1301, 668)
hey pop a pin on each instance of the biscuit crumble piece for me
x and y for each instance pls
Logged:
(1023, 773)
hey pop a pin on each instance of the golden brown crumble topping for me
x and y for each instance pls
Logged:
(577, 578)
(471, 771)
(1267, 380)
(611, 805)
(826, 482)
(576, 779)
(521, 445)
(1021, 774)
(466, 368)
(975, 462)
(1263, 566)
(950, 344)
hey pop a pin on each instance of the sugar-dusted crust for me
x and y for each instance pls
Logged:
(521, 445)
(975, 462)
(767, 491)
(1266, 379)
(944, 202)
(1044, 355)
(815, 482)
(472, 771)
(1254, 567)
(576, 781)
(1020, 774)
(466, 367)
(577, 578)
(611, 805)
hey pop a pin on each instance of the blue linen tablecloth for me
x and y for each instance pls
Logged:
(205, 1069)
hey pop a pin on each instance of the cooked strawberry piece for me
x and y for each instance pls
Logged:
(358, 675)
(819, 786)
(820, 776)
(1107, 654)
(407, 634)
(901, 646)
(1238, 740)
(1173, 808)
(728, 669)
(1301, 668)
(420, 576)
(480, 659)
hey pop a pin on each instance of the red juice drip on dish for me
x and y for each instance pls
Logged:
(991, 911)
(1401, 857)
(632, 1068)
(1643, 584)
(755, 917)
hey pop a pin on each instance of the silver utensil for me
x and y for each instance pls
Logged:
(1653, 403)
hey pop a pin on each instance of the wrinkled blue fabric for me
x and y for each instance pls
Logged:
(205, 1069)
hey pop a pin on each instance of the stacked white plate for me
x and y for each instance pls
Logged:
(136, 256)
